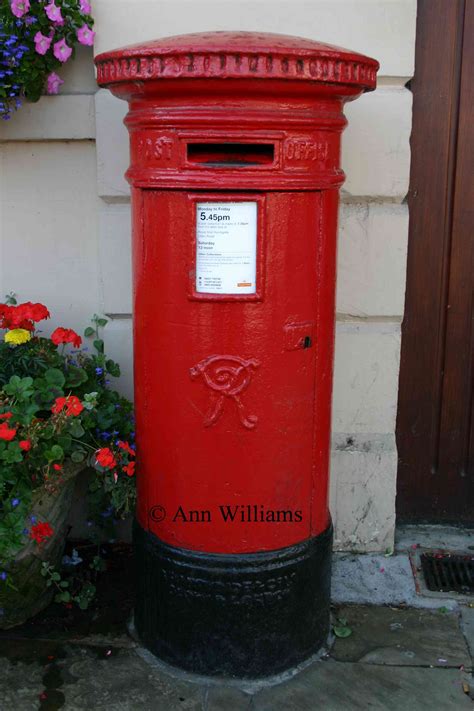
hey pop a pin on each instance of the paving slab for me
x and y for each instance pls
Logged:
(402, 637)
(227, 699)
(447, 537)
(20, 686)
(467, 626)
(77, 678)
(379, 580)
(124, 681)
(340, 686)
(48, 677)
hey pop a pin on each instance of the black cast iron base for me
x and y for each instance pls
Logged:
(245, 615)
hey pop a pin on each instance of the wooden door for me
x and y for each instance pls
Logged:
(435, 434)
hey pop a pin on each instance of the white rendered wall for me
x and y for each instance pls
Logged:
(65, 217)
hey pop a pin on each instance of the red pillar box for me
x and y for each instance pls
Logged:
(235, 170)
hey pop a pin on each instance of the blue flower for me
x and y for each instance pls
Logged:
(15, 502)
(33, 519)
(3, 575)
(99, 371)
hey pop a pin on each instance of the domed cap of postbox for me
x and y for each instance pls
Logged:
(237, 55)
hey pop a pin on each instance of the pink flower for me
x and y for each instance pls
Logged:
(85, 7)
(42, 43)
(54, 82)
(85, 35)
(54, 13)
(62, 51)
(20, 7)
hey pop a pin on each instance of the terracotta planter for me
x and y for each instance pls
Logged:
(32, 594)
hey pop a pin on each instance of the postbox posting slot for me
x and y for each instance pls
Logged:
(231, 155)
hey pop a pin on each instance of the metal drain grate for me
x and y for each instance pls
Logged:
(446, 572)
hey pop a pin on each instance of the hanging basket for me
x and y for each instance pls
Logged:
(31, 593)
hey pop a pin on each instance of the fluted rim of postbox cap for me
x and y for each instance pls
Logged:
(237, 55)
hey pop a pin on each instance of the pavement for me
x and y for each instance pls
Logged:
(397, 653)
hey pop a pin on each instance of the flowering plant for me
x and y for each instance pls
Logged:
(57, 409)
(36, 38)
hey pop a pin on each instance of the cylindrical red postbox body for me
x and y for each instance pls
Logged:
(235, 171)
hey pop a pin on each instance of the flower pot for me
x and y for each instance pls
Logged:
(31, 593)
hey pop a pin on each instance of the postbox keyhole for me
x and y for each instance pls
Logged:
(307, 342)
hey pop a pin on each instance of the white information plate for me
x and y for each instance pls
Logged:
(226, 247)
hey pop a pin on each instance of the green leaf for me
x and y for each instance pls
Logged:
(99, 345)
(55, 377)
(19, 387)
(48, 432)
(75, 377)
(89, 331)
(12, 454)
(63, 596)
(102, 322)
(78, 456)
(342, 632)
(76, 429)
(65, 441)
(113, 368)
(56, 453)
(29, 411)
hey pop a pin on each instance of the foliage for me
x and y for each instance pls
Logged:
(65, 592)
(36, 38)
(56, 407)
(341, 628)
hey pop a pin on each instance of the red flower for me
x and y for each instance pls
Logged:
(22, 316)
(6, 432)
(41, 531)
(6, 415)
(129, 469)
(72, 404)
(57, 467)
(35, 312)
(105, 457)
(126, 447)
(66, 335)
(25, 445)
